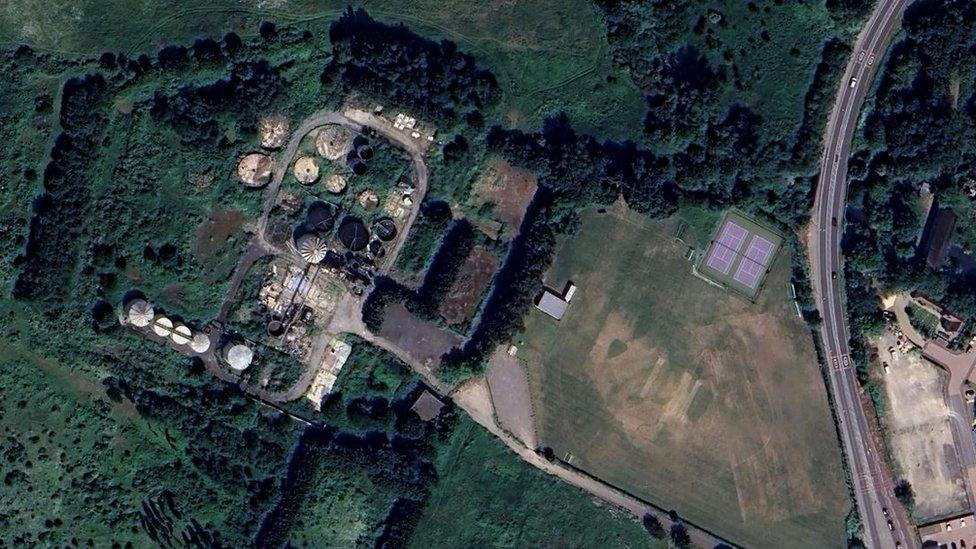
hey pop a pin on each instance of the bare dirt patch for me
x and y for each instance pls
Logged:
(919, 433)
(510, 189)
(462, 300)
(511, 397)
(687, 395)
(424, 341)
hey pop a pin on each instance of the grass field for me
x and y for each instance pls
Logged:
(547, 56)
(684, 394)
(486, 497)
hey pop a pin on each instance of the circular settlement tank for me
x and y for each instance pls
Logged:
(320, 216)
(359, 141)
(365, 152)
(385, 229)
(162, 326)
(358, 167)
(335, 183)
(275, 328)
(311, 247)
(239, 356)
(200, 343)
(140, 313)
(353, 234)
(306, 170)
(181, 334)
(254, 170)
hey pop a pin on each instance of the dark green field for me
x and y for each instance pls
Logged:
(548, 56)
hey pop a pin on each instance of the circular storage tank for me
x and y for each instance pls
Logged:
(331, 141)
(357, 166)
(365, 152)
(162, 326)
(360, 141)
(335, 184)
(140, 313)
(306, 170)
(239, 356)
(254, 170)
(385, 229)
(181, 334)
(311, 247)
(200, 342)
(353, 234)
(275, 328)
(320, 216)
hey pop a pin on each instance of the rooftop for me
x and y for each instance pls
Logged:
(427, 406)
(552, 304)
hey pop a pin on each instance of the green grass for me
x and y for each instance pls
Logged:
(487, 497)
(922, 320)
(716, 408)
(547, 56)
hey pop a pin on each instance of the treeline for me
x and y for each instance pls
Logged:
(920, 129)
(192, 111)
(393, 63)
(437, 282)
(55, 228)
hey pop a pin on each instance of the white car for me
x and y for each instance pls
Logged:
(853, 81)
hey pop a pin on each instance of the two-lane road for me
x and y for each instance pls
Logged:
(872, 482)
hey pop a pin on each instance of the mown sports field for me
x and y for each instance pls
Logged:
(683, 393)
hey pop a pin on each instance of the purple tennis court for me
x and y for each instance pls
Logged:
(748, 273)
(721, 258)
(740, 254)
(732, 236)
(759, 250)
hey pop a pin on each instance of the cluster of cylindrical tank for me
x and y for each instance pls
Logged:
(359, 155)
(141, 314)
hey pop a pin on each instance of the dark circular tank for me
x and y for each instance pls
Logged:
(365, 152)
(275, 328)
(320, 216)
(353, 234)
(357, 166)
(385, 229)
(359, 141)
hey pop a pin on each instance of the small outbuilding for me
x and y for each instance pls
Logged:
(553, 303)
(427, 406)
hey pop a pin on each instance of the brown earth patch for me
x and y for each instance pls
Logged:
(422, 340)
(510, 395)
(462, 300)
(510, 189)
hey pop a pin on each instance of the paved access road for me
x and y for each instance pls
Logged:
(872, 481)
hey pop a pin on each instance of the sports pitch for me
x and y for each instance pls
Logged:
(740, 254)
(684, 394)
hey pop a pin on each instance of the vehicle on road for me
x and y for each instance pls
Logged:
(871, 60)
(891, 526)
(833, 221)
(853, 81)
(833, 275)
(885, 509)
(860, 56)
